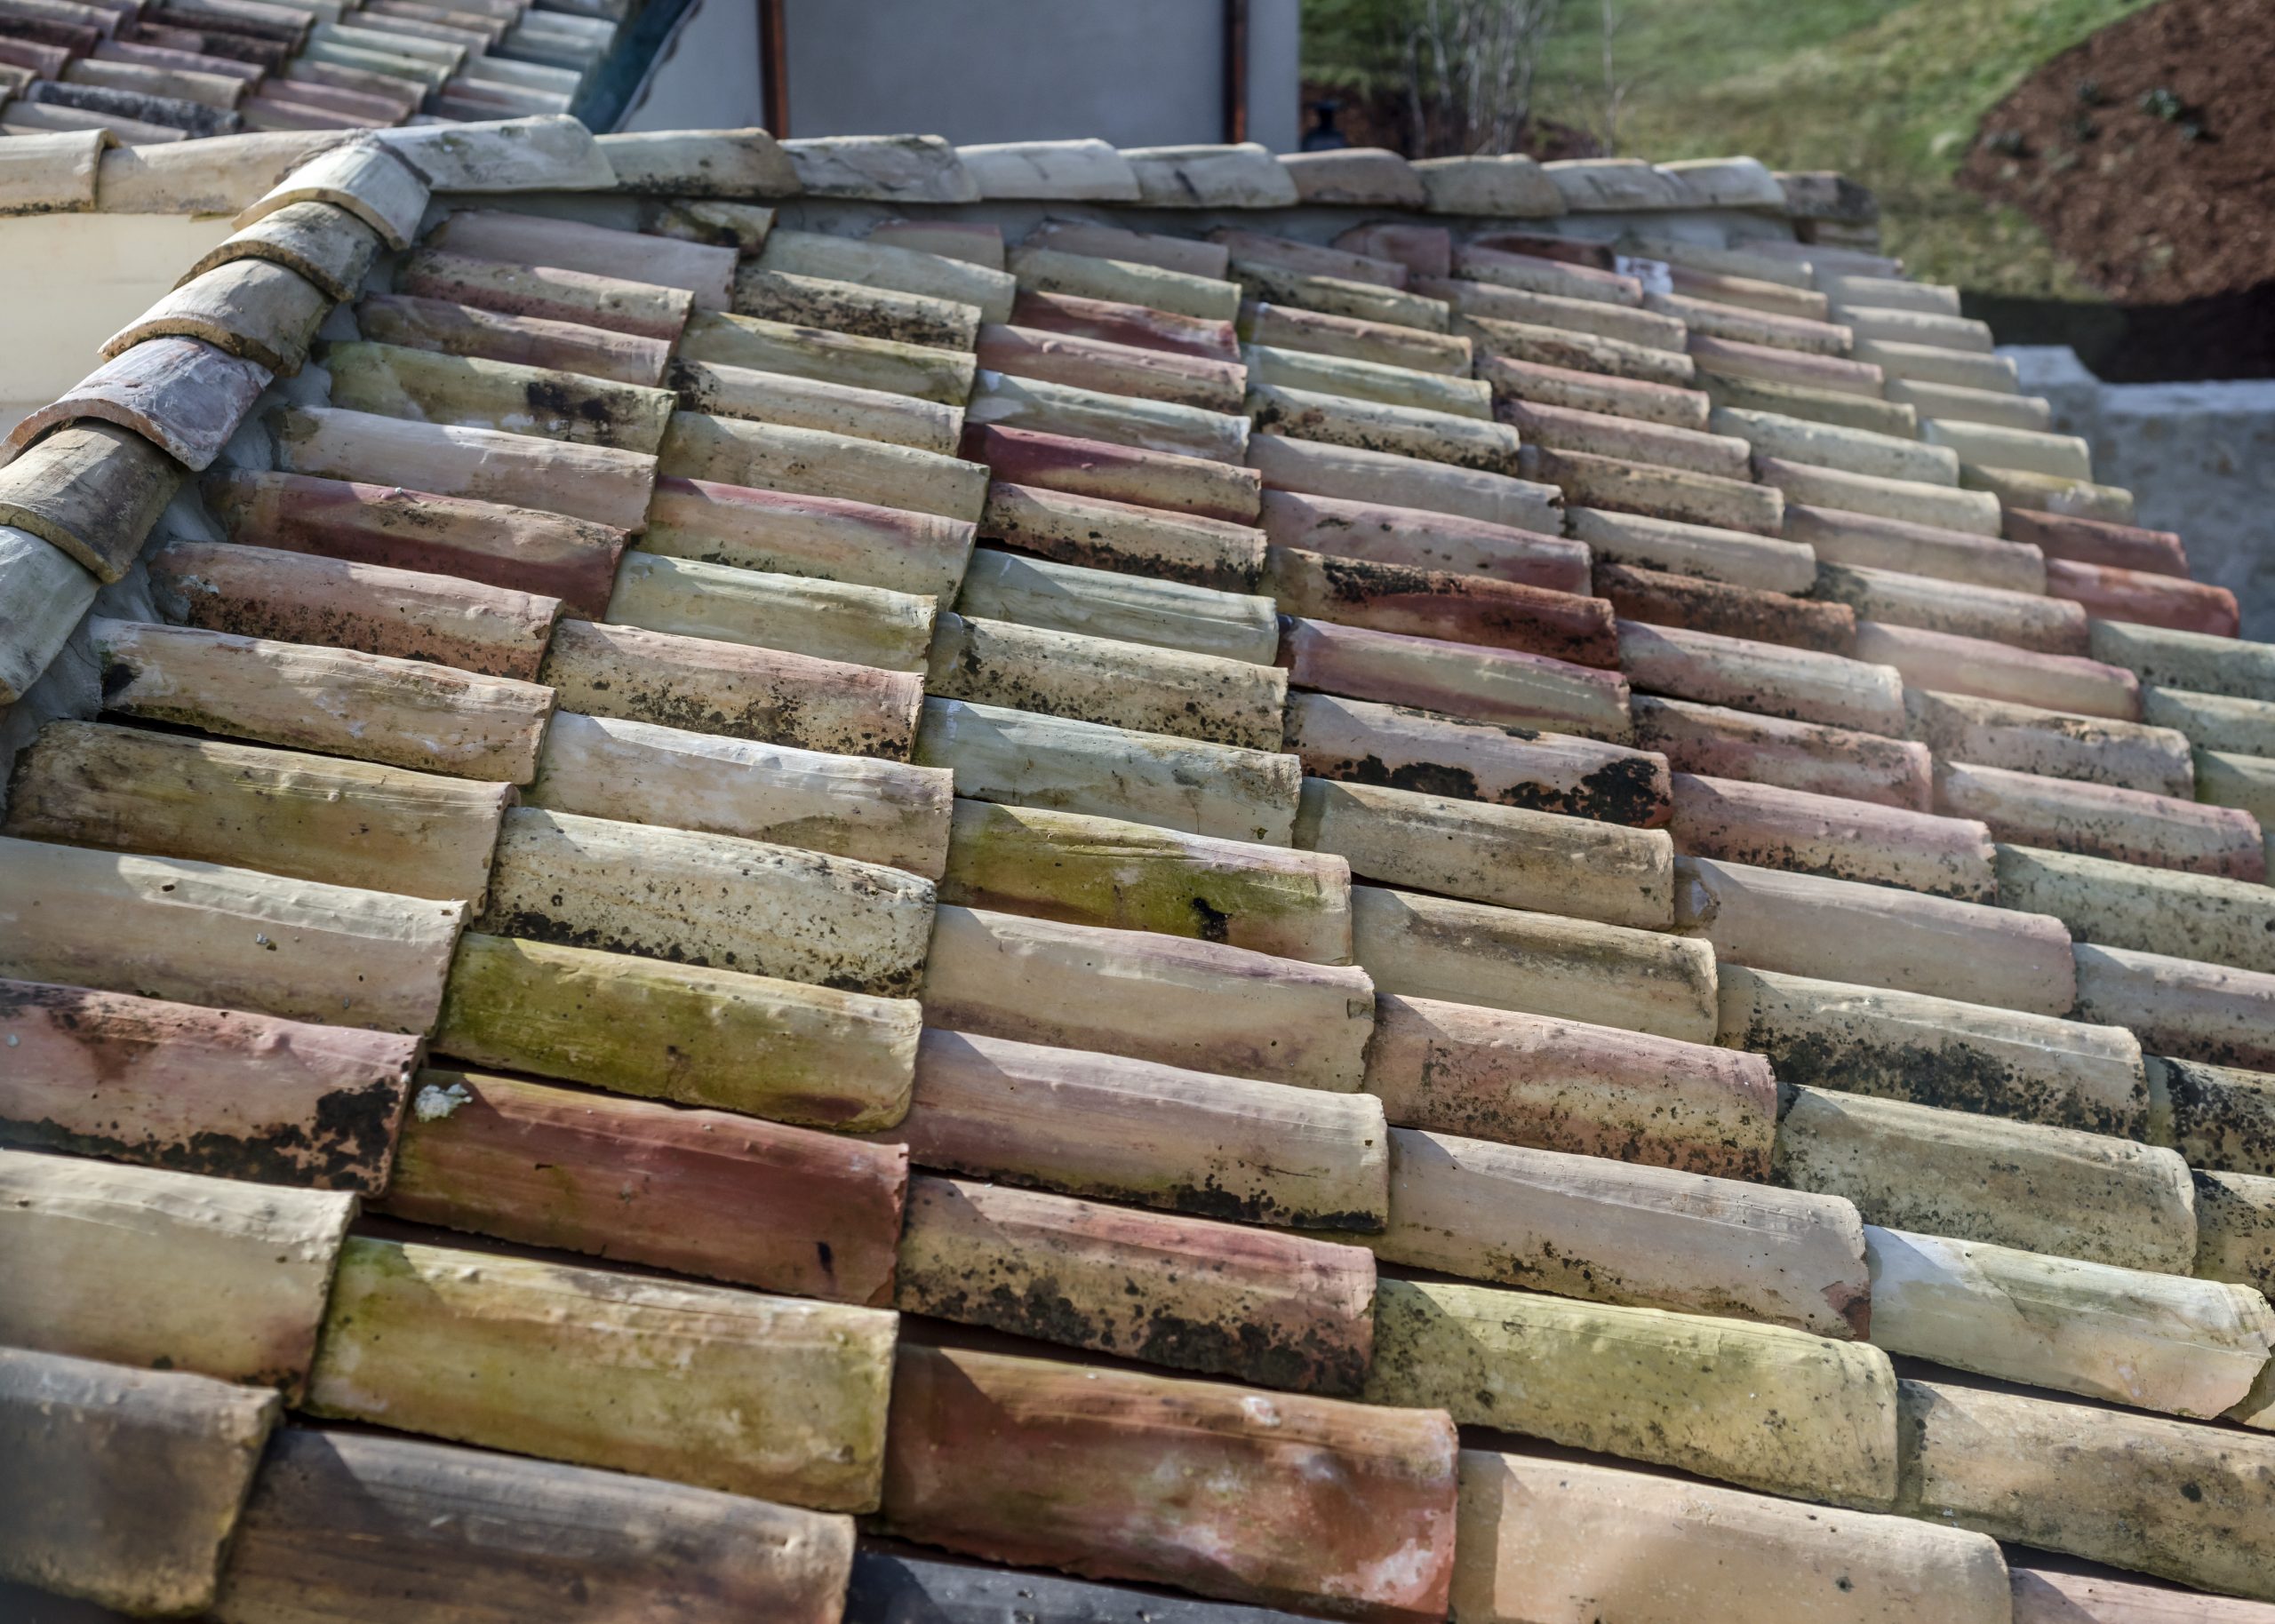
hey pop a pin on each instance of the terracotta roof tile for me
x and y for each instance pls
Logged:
(350, 822)
(1088, 169)
(1245, 176)
(771, 1560)
(49, 174)
(362, 177)
(182, 394)
(1615, 758)
(1494, 186)
(256, 310)
(1887, 1044)
(728, 163)
(98, 1440)
(1355, 175)
(889, 168)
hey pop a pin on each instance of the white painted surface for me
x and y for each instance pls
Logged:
(1136, 74)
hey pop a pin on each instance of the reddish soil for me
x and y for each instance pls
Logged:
(2147, 157)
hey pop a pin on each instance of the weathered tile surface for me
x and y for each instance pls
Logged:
(1816, 606)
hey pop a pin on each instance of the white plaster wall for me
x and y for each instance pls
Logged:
(73, 280)
(2198, 459)
(1137, 73)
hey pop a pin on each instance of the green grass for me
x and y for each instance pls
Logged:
(1891, 93)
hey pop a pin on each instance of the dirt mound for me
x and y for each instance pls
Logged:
(2147, 157)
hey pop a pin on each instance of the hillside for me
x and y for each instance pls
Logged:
(1893, 95)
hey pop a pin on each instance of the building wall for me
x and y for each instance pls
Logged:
(2198, 459)
(76, 279)
(1136, 74)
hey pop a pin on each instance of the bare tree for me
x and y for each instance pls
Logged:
(1615, 89)
(1470, 67)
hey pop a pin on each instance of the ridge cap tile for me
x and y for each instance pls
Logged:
(184, 395)
(706, 163)
(881, 168)
(52, 173)
(1088, 169)
(377, 184)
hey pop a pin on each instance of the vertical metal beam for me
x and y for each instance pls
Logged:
(1236, 70)
(773, 69)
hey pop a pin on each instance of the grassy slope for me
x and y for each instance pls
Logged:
(1890, 92)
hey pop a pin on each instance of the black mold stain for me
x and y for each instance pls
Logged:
(1306, 1362)
(1209, 923)
(348, 1146)
(1629, 789)
(1955, 1077)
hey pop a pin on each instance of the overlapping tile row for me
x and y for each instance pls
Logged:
(147, 71)
(1213, 802)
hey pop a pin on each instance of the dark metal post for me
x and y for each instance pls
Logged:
(773, 69)
(1235, 70)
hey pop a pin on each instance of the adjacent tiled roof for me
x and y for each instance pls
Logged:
(146, 72)
(839, 879)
